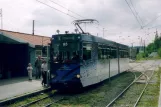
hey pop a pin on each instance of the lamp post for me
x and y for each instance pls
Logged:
(132, 49)
(104, 31)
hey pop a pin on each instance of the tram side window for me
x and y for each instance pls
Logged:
(121, 54)
(126, 54)
(113, 53)
(102, 53)
(86, 51)
(105, 53)
(99, 53)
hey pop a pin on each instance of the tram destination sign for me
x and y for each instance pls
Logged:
(67, 37)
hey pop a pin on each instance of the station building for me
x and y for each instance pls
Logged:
(17, 50)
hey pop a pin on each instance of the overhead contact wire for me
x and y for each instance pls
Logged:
(56, 9)
(133, 13)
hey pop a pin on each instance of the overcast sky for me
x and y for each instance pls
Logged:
(113, 15)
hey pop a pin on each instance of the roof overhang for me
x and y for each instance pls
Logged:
(5, 38)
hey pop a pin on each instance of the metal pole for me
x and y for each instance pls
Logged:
(118, 59)
(1, 19)
(47, 77)
(48, 66)
(85, 27)
(131, 49)
(144, 46)
(103, 32)
(48, 56)
(33, 27)
(109, 69)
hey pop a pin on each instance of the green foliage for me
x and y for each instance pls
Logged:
(150, 48)
(157, 43)
(140, 56)
(153, 47)
(159, 52)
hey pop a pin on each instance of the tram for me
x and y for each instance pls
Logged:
(81, 59)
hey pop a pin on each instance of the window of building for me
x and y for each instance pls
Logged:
(44, 52)
(38, 52)
(41, 52)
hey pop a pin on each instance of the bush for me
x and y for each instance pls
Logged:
(159, 52)
(140, 56)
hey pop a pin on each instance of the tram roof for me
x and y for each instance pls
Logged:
(92, 38)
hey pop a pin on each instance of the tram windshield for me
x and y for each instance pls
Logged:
(66, 52)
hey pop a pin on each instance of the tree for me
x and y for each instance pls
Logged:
(157, 43)
(150, 48)
(159, 52)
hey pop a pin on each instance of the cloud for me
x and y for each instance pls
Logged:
(114, 15)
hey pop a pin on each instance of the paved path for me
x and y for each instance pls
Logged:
(148, 65)
(18, 86)
(145, 65)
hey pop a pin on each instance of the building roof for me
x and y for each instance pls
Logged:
(31, 39)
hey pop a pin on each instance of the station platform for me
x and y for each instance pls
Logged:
(15, 87)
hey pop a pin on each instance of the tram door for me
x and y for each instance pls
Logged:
(94, 56)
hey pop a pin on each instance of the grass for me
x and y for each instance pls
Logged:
(148, 58)
(30, 99)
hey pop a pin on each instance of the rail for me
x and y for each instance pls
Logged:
(147, 82)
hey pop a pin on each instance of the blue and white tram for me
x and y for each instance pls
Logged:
(81, 60)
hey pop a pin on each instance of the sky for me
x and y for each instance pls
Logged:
(115, 16)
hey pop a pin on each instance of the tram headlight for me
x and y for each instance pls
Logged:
(78, 37)
(78, 76)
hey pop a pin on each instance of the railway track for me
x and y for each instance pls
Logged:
(147, 75)
(35, 101)
(54, 99)
(57, 100)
